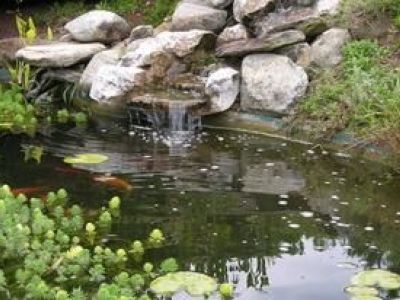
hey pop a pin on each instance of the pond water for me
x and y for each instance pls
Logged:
(279, 220)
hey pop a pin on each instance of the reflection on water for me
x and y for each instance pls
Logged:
(278, 220)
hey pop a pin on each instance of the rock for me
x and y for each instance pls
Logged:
(244, 10)
(271, 83)
(223, 88)
(98, 26)
(58, 55)
(304, 19)
(221, 4)
(113, 82)
(104, 58)
(233, 33)
(189, 16)
(180, 44)
(10, 46)
(326, 51)
(141, 32)
(299, 53)
(266, 44)
(329, 7)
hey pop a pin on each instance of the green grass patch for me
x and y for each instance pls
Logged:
(363, 94)
(60, 12)
(372, 7)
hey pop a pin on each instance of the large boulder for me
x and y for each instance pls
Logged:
(189, 16)
(104, 58)
(113, 82)
(271, 83)
(245, 10)
(233, 33)
(180, 44)
(326, 51)
(223, 88)
(58, 55)
(257, 45)
(98, 26)
(304, 19)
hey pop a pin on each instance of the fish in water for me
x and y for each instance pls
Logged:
(28, 191)
(70, 171)
(114, 182)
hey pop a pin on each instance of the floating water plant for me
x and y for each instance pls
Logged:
(195, 284)
(366, 285)
(86, 158)
(49, 251)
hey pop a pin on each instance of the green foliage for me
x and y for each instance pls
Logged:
(364, 93)
(153, 13)
(122, 6)
(156, 14)
(15, 114)
(372, 8)
(54, 254)
(59, 12)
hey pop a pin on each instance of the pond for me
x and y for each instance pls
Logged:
(278, 220)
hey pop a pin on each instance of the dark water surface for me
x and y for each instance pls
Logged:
(279, 220)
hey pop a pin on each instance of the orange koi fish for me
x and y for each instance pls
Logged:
(114, 182)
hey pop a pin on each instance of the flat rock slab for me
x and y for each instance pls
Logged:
(189, 16)
(98, 26)
(304, 19)
(180, 44)
(58, 55)
(259, 45)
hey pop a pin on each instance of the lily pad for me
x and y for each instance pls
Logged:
(365, 297)
(380, 278)
(86, 158)
(355, 290)
(195, 284)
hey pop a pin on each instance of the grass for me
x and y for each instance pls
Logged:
(363, 94)
(60, 12)
(153, 12)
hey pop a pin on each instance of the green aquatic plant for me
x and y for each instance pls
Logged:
(49, 250)
(195, 284)
(86, 158)
(33, 153)
(16, 115)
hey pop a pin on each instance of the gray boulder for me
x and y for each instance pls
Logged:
(189, 16)
(141, 32)
(233, 33)
(98, 26)
(180, 44)
(271, 83)
(244, 10)
(58, 55)
(304, 19)
(329, 7)
(257, 45)
(113, 82)
(104, 58)
(326, 51)
(223, 89)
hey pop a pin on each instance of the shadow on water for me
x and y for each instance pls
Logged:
(279, 220)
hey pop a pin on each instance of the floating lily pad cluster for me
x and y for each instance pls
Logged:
(86, 158)
(368, 285)
(195, 284)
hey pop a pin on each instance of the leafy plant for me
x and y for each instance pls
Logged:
(362, 94)
(48, 251)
